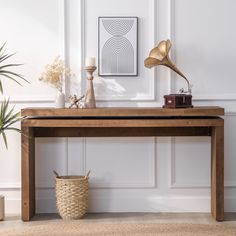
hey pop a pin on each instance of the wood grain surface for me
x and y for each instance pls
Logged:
(122, 122)
(124, 112)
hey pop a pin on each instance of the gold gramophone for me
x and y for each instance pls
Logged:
(159, 56)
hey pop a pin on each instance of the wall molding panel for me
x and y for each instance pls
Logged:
(174, 184)
(30, 99)
(217, 97)
(46, 154)
(150, 183)
(196, 97)
(152, 94)
(10, 186)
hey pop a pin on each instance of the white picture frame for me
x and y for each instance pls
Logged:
(118, 46)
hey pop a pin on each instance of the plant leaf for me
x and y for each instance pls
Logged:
(9, 77)
(15, 129)
(5, 139)
(9, 113)
(9, 65)
(4, 107)
(13, 73)
(10, 117)
(7, 118)
(11, 122)
(6, 56)
(2, 47)
(1, 89)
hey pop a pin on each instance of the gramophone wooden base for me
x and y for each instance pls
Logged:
(178, 101)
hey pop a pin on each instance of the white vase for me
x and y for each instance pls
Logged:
(60, 100)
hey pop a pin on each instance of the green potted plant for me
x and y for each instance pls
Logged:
(8, 116)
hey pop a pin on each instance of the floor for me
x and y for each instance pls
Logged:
(195, 218)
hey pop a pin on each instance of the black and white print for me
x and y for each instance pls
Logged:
(118, 46)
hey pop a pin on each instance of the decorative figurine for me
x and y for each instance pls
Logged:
(76, 102)
(159, 56)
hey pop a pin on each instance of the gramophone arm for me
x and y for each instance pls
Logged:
(168, 63)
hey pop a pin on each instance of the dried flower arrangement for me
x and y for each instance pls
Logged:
(55, 74)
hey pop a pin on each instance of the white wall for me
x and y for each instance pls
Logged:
(128, 174)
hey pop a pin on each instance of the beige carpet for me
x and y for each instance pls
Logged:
(72, 228)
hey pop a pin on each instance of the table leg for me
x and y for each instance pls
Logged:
(217, 173)
(27, 173)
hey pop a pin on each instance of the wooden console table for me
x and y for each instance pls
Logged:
(122, 122)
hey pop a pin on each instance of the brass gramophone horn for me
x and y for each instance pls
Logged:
(159, 56)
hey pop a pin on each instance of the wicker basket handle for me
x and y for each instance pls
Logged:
(87, 175)
(56, 174)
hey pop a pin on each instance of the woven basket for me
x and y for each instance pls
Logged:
(71, 195)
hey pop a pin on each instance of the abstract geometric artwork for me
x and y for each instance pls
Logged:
(118, 42)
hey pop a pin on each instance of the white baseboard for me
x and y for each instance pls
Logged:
(151, 204)
(134, 204)
(12, 206)
(230, 204)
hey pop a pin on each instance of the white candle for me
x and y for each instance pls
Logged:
(2, 208)
(90, 61)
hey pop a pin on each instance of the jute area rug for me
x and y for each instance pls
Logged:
(120, 229)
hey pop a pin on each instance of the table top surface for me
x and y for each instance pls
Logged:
(123, 112)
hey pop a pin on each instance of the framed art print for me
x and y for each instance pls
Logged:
(118, 46)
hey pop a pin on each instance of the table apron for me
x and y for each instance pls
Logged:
(121, 131)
